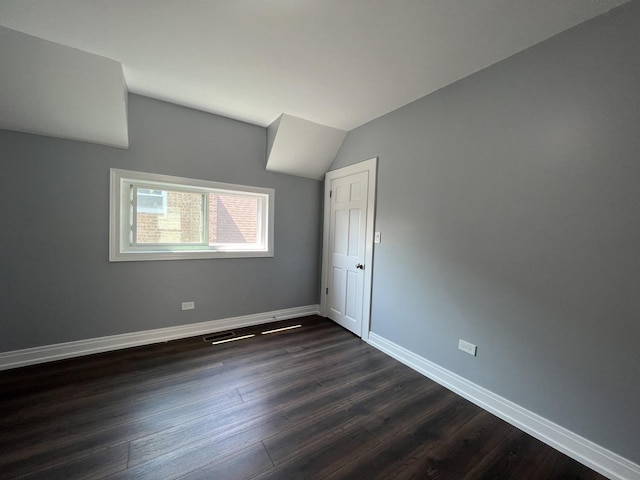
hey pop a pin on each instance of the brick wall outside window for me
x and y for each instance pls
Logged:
(232, 219)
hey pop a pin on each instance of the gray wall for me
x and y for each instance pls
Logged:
(56, 283)
(509, 206)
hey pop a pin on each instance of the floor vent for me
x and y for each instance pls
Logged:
(218, 336)
(231, 336)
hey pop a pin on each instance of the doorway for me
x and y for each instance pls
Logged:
(347, 246)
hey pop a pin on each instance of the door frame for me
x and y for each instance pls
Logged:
(370, 166)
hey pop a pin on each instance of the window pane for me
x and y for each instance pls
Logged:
(152, 201)
(168, 217)
(233, 219)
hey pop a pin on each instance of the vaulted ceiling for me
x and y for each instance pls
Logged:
(337, 63)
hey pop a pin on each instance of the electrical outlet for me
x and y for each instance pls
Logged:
(467, 347)
(188, 305)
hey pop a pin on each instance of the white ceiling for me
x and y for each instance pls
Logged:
(339, 63)
(59, 91)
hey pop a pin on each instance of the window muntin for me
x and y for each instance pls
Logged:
(157, 217)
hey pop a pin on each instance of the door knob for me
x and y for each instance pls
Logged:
(360, 266)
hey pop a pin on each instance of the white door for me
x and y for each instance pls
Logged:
(347, 242)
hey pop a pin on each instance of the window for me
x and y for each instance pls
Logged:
(157, 217)
(152, 201)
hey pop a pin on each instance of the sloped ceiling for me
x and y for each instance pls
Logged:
(333, 62)
(54, 90)
(299, 147)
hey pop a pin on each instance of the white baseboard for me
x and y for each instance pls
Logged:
(59, 351)
(584, 451)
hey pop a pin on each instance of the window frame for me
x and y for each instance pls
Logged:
(121, 209)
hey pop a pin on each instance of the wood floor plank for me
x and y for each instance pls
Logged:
(75, 442)
(130, 417)
(318, 461)
(403, 432)
(95, 466)
(244, 465)
(224, 422)
(311, 402)
(333, 374)
(324, 360)
(320, 428)
(270, 413)
(448, 456)
(118, 392)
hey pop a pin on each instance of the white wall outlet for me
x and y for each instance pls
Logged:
(188, 305)
(467, 347)
(377, 238)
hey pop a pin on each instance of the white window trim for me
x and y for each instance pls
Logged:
(120, 249)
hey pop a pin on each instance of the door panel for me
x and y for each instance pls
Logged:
(354, 232)
(347, 227)
(338, 291)
(351, 310)
(341, 235)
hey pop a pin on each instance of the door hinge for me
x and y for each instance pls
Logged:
(326, 291)
(330, 193)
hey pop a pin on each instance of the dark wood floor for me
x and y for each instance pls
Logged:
(315, 402)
